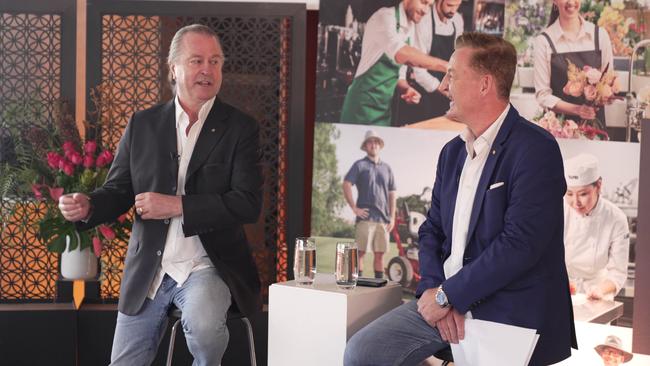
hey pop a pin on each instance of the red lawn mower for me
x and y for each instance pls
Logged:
(405, 268)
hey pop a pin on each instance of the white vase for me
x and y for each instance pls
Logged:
(78, 264)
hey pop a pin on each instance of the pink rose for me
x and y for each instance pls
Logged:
(108, 233)
(121, 218)
(56, 193)
(68, 169)
(97, 246)
(88, 161)
(75, 158)
(53, 160)
(590, 92)
(90, 147)
(104, 158)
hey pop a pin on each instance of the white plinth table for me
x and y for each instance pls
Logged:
(310, 325)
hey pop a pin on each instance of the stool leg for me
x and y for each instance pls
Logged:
(251, 341)
(172, 339)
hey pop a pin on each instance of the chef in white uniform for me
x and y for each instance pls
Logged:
(596, 232)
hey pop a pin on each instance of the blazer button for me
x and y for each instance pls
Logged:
(174, 189)
(159, 253)
(166, 221)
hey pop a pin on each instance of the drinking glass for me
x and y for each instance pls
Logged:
(304, 261)
(346, 265)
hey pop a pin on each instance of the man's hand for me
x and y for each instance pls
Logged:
(411, 96)
(74, 206)
(156, 206)
(390, 225)
(452, 327)
(429, 308)
(361, 212)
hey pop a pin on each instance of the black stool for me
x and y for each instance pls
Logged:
(445, 355)
(175, 313)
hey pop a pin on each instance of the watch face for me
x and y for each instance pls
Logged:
(441, 299)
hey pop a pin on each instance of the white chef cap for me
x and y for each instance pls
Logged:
(581, 170)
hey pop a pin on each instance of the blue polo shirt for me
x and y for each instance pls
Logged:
(373, 182)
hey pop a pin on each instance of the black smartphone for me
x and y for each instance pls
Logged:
(371, 282)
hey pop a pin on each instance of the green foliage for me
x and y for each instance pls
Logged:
(327, 194)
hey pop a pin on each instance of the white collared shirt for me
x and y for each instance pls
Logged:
(381, 37)
(478, 149)
(596, 245)
(183, 255)
(584, 41)
(422, 41)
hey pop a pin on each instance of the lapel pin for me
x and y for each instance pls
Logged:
(212, 130)
(494, 152)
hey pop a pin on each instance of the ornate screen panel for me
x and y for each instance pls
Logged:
(36, 73)
(258, 78)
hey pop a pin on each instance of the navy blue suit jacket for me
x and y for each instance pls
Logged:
(513, 266)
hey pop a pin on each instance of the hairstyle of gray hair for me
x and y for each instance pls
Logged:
(175, 47)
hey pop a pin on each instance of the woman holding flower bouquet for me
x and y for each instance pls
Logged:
(571, 40)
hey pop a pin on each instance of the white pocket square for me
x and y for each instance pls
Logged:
(496, 185)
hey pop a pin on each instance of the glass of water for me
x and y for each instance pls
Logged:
(304, 261)
(346, 265)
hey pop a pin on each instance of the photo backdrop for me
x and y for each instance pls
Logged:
(412, 151)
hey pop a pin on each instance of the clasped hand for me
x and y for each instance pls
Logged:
(450, 323)
(157, 206)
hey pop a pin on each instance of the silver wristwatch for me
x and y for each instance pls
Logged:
(441, 298)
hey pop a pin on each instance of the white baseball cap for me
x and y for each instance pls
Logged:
(581, 170)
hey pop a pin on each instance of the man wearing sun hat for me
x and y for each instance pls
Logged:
(612, 351)
(596, 232)
(375, 205)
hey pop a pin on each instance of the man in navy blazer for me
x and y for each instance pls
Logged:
(191, 168)
(492, 245)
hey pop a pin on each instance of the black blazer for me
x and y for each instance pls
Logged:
(223, 189)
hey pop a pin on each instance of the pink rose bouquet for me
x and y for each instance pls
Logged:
(73, 168)
(561, 127)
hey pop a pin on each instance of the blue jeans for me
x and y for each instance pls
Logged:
(399, 337)
(204, 300)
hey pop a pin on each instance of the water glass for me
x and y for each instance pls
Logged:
(304, 261)
(346, 265)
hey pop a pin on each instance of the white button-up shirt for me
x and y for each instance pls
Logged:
(183, 255)
(597, 245)
(422, 41)
(563, 42)
(478, 149)
(381, 37)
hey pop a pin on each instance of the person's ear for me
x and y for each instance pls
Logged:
(172, 69)
(486, 83)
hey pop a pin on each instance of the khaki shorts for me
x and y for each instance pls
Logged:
(372, 235)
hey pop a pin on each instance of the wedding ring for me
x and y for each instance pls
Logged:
(139, 210)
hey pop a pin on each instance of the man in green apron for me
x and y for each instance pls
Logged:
(384, 50)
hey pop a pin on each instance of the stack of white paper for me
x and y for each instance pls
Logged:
(488, 343)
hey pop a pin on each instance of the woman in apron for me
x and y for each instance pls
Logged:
(596, 232)
(569, 38)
